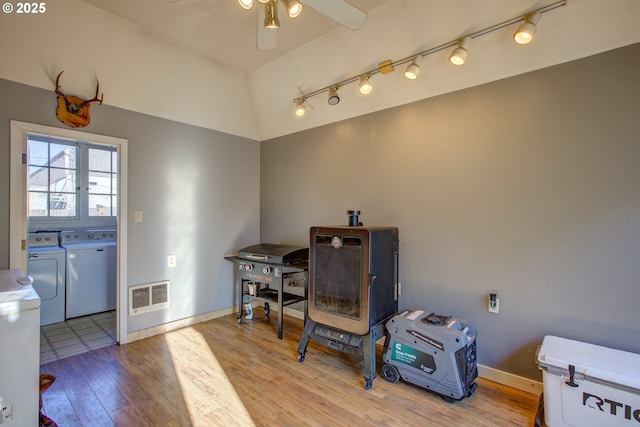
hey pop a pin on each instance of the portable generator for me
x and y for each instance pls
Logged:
(434, 352)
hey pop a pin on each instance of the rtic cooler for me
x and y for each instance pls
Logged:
(435, 352)
(588, 385)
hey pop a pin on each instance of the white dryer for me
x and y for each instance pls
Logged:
(46, 265)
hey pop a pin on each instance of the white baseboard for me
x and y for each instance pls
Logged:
(511, 380)
(491, 374)
(286, 310)
(293, 313)
(182, 323)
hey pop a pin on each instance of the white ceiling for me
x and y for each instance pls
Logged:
(196, 62)
(221, 30)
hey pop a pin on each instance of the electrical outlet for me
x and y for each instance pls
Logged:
(6, 412)
(494, 306)
(171, 261)
(138, 216)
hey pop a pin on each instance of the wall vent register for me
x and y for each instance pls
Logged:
(149, 297)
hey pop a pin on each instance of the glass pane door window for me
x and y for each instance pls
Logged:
(338, 275)
(52, 179)
(103, 178)
(71, 183)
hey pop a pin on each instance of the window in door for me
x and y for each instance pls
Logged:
(103, 181)
(71, 183)
(52, 179)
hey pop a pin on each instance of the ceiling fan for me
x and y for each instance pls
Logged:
(339, 10)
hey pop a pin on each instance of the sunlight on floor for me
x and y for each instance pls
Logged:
(207, 397)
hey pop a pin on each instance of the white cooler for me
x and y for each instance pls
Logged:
(604, 389)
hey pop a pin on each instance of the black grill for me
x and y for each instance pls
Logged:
(272, 253)
(267, 271)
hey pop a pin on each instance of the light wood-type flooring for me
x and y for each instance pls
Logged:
(221, 373)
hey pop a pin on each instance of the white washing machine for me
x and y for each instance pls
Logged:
(46, 264)
(91, 271)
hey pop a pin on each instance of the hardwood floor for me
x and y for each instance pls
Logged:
(221, 373)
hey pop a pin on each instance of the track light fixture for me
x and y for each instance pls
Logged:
(246, 4)
(523, 35)
(364, 87)
(413, 70)
(460, 53)
(271, 15)
(333, 95)
(525, 32)
(293, 7)
(301, 110)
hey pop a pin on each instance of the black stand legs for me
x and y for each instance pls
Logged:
(345, 342)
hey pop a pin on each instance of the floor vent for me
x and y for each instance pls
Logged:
(149, 297)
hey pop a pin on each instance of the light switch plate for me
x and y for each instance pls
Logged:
(171, 261)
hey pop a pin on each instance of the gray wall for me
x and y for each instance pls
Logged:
(185, 179)
(528, 186)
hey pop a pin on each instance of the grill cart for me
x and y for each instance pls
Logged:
(272, 273)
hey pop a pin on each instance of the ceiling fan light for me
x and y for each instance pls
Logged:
(271, 15)
(525, 32)
(293, 7)
(365, 85)
(460, 53)
(246, 4)
(301, 110)
(333, 95)
(413, 70)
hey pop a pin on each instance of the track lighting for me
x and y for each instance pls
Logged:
(293, 7)
(525, 32)
(301, 110)
(459, 54)
(523, 35)
(365, 85)
(333, 95)
(271, 15)
(413, 70)
(246, 4)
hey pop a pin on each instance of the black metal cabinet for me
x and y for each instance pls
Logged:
(353, 289)
(353, 276)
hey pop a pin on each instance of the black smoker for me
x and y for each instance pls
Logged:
(353, 289)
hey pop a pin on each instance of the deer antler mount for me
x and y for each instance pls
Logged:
(74, 111)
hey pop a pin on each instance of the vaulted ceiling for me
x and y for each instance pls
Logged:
(195, 61)
(221, 30)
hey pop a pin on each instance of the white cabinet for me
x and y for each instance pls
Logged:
(19, 350)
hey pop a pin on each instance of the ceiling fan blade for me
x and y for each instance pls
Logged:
(340, 11)
(267, 38)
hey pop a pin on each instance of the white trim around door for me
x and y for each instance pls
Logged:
(18, 203)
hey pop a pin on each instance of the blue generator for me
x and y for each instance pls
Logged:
(437, 353)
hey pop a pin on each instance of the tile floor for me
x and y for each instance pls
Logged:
(75, 336)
